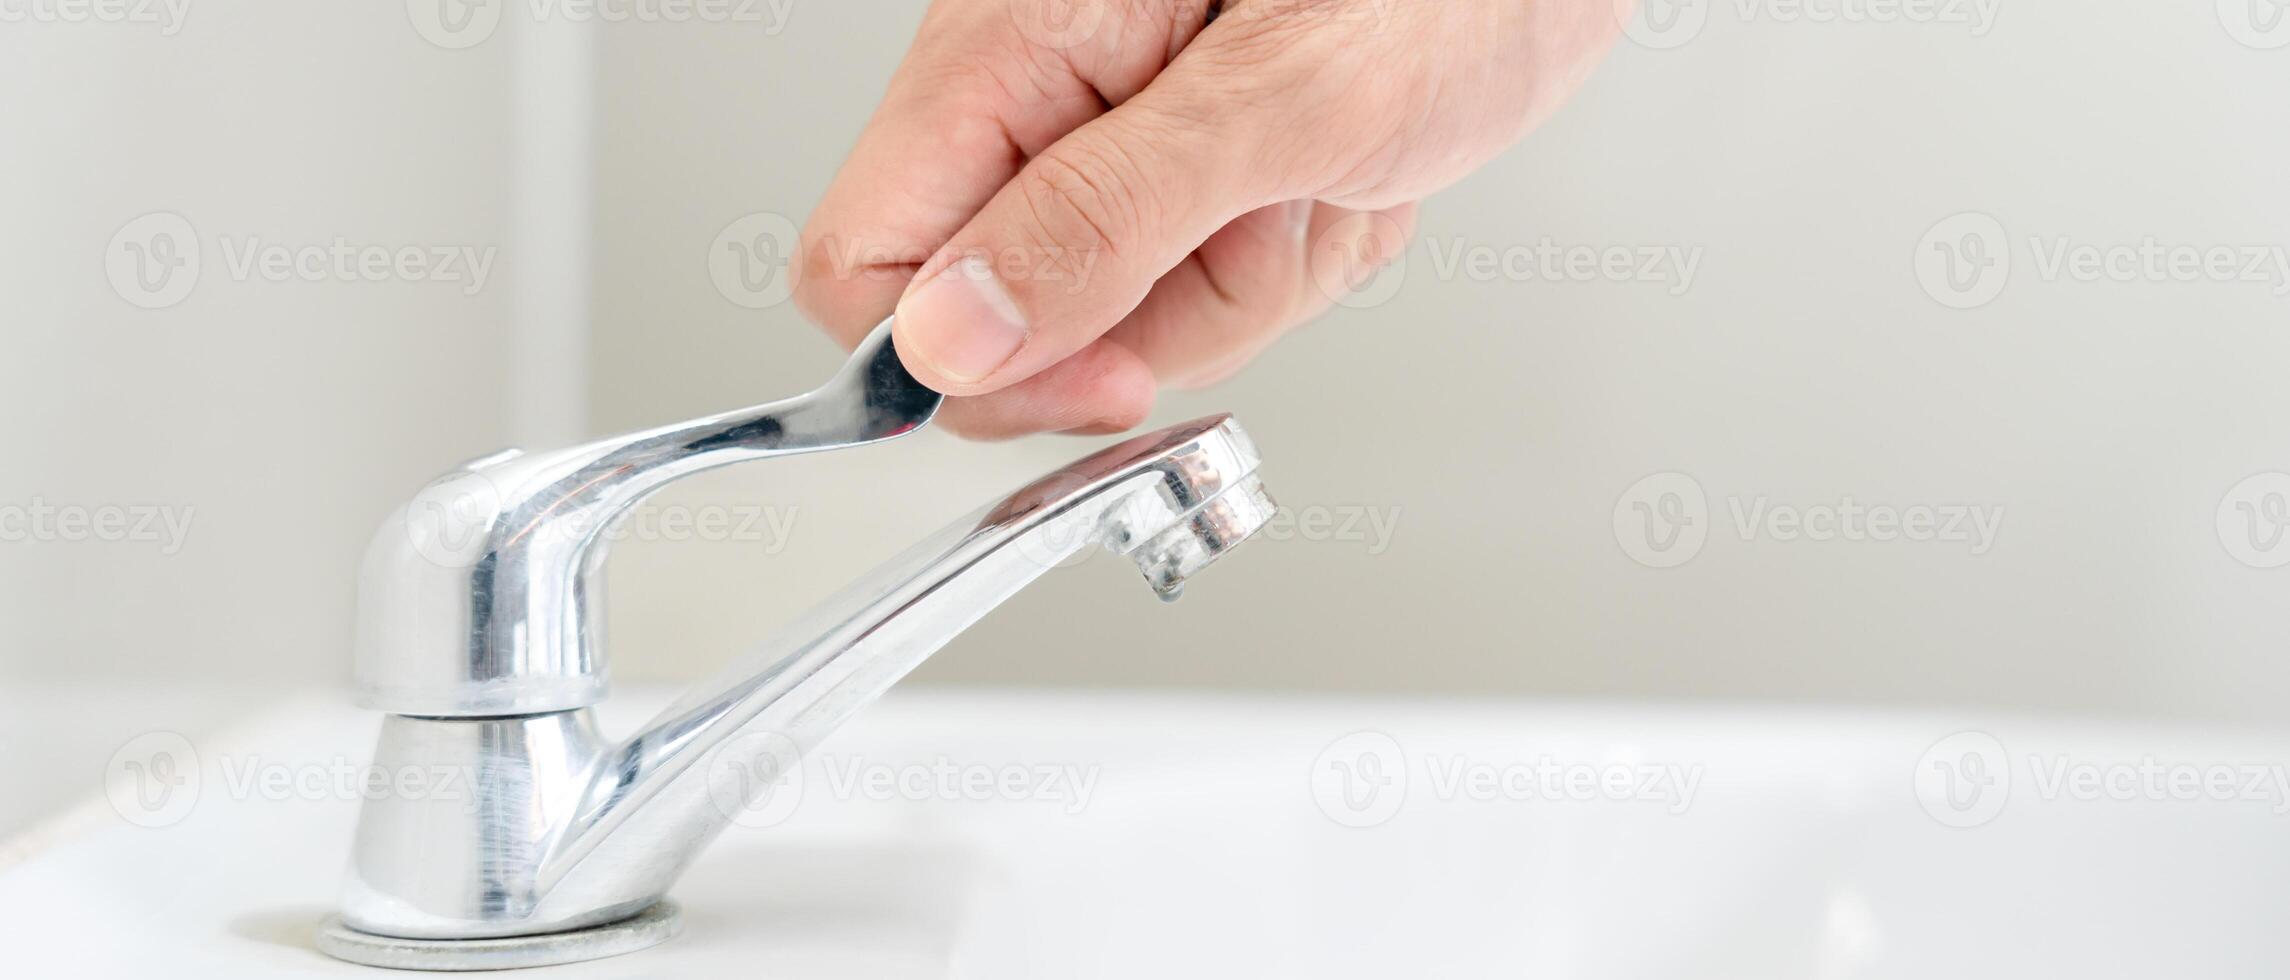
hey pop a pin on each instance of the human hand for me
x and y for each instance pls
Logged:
(1072, 202)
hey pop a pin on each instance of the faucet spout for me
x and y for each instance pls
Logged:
(561, 828)
(1172, 501)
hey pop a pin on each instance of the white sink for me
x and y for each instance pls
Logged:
(966, 834)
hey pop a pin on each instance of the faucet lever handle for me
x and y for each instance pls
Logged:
(481, 596)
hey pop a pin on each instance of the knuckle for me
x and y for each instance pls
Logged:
(954, 88)
(1082, 199)
(1255, 33)
(1296, 101)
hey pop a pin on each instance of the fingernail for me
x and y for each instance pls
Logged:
(963, 322)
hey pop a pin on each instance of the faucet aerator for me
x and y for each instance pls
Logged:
(1174, 556)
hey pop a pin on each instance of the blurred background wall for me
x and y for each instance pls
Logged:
(1853, 277)
(1493, 423)
(208, 396)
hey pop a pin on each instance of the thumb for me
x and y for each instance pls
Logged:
(1076, 240)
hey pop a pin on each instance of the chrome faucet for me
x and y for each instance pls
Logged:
(479, 637)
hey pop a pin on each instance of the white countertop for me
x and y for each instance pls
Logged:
(950, 833)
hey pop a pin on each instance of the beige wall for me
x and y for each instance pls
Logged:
(279, 419)
(1497, 423)
(1491, 425)
(273, 421)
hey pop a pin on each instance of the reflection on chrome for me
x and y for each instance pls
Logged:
(479, 640)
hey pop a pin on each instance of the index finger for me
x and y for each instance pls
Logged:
(987, 85)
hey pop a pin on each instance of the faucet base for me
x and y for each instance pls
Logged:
(650, 927)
